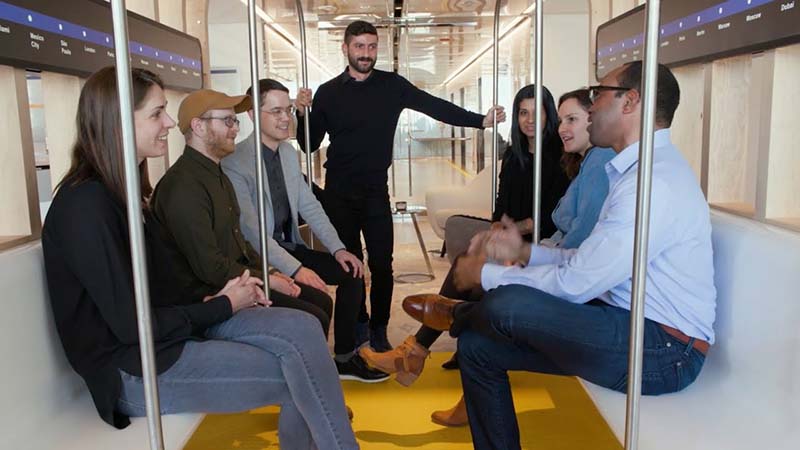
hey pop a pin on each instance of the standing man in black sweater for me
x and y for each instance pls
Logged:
(359, 110)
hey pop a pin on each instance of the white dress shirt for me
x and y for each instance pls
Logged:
(680, 288)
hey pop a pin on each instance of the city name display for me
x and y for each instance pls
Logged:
(697, 30)
(76, 37)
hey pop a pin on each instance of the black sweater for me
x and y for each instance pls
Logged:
(360, 118)
(515, 194)
(88, 264)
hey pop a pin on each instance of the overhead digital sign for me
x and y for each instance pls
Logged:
(76, 37)
(695, 30)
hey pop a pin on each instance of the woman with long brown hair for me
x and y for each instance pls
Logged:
(577, 211)
(219, 354)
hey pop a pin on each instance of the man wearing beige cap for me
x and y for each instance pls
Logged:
(196, 204)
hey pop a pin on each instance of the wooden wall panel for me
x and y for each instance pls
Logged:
(145, 8)
(19, 200)
(170, 13)
(60, 93)
(687, 126)
(783, 187)
(175, 139)
(731, 182)
(621, 6)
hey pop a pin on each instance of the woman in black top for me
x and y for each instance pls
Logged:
(515, 193)
(219, 354)
(514, 199)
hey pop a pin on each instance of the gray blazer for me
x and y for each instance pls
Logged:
(240, 168)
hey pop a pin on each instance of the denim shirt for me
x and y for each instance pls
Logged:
(577, 211)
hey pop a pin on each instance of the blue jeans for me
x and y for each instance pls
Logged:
(521, 328)
(260, 356)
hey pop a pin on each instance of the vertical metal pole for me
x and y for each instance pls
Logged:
(408, 111)
(393, 175)
(262, 225)
(537, 154)
(645, 171)
(307, 122)
(495, 81)
(133, 198)
(392, 32)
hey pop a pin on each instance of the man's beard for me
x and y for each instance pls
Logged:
(219, 145)
(354, 63)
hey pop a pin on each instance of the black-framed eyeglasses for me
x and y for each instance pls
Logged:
(229, 121)
(289, 111)
(594, 91)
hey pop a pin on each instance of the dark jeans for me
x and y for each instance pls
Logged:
(427, 336)
(521, 328)
(348, 295)
(310, 300)
(365, 209)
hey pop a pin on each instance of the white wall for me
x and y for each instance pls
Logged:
(566, 42)
(229, 49)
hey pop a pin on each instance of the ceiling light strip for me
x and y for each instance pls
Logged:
(503, 33)
(280, 31)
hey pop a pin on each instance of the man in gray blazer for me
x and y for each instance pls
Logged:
(287, 195)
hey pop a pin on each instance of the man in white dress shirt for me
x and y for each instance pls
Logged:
(567, 311)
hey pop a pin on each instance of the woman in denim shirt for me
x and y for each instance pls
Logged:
(578, 210)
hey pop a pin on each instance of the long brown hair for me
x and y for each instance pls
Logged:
(97, 151)
(571, 162)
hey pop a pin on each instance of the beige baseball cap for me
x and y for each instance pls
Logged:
(198, 102)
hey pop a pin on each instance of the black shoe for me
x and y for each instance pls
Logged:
(362, 333)
(452, 363)
(378, 340)
(357, 370)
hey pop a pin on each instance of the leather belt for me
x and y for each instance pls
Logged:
(699, 345)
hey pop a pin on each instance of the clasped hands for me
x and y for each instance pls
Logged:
(243, 292)
(501, 244)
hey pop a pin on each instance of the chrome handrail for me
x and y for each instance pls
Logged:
(537, 154)
(133, 200)
(256, 96)
(307, 121)
(642, 226)
(495, 81)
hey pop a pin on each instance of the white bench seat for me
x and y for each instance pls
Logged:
(748, 393)
(45, 404)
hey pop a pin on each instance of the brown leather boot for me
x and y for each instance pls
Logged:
(453, 417)
(406, 360)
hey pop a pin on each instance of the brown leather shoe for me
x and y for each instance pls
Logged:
(433, 310)
(406, 360)
(453, 417)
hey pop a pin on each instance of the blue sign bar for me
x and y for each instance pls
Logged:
(709, 15)
(53, 25)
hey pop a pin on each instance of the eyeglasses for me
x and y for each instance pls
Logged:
(229, 121)
(276, 112)
(594, 91)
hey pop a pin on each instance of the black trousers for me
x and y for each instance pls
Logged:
(348, 295)
(354, 210)
(427, 336)
(310, 300)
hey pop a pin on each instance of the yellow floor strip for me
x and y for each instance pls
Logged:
(466, 174)
(554, 413)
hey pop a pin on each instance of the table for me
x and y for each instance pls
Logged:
(415, 277)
